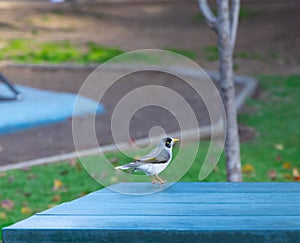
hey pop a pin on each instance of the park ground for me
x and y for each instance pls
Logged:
(267, 48)
(35, 32)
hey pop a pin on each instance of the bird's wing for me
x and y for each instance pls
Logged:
(156, 156)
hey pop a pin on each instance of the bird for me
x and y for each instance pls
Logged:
(155, 162)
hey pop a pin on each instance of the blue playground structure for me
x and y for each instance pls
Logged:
(23, 107)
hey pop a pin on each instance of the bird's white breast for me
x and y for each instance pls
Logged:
(154, 169)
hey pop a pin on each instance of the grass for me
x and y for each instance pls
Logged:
(247, 13)
(211, 53)
(24, 192)
(247, 55)
(30, 51)
(56, 52)
(272, 156)
(276, 119)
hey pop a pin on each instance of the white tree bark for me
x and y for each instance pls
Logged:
(226, 28)
(208, 14)
(234, 21)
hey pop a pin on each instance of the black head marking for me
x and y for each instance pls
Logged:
(168, 142)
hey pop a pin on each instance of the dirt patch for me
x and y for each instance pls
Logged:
(57, 138)
(247, 133)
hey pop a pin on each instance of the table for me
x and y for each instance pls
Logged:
(182, 212)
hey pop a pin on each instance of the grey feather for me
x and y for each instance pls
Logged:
(155, 161)
(157, 155)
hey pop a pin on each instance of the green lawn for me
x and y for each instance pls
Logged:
(57, 52)
(31, 51)
(272, 156)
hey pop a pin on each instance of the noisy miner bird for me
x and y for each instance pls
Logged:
(154, 162)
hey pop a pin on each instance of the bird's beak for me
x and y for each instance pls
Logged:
(175, 140)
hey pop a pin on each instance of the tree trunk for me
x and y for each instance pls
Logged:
(232, 144)
(226, 28)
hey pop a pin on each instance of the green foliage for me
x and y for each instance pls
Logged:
(246, 55)
(30, 51)
(274, 55)
(198, 17)
(98, 53)
(211, 53)
(247, 13)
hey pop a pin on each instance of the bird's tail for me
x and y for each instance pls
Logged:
(123, 167)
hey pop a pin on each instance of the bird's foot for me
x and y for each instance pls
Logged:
(160, 181)
(155, 181)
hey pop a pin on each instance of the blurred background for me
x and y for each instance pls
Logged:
(42, 41)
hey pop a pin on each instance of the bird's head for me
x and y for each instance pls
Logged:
(169, 142)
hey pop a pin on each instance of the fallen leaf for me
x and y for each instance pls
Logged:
(7, 204)
(248, 168)
(78, 167)
(114, 160)
(296, 174)
(272, 174)
(216, 169)
(114, 179)
(26, 210)
(57, 184)
(51, 205)
(278, 158)
(288, 176)
(26, 169)
(2, 174)
(3, 216)
(278, 146)
(56, 198)
(11, 179)
(32, 176)
(64, 172)
(287, 165)
(27, 194)
(25, 204)
(103, 175)
(73, 162)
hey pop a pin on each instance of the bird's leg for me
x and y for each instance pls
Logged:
(161, 181)
(154, 180)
